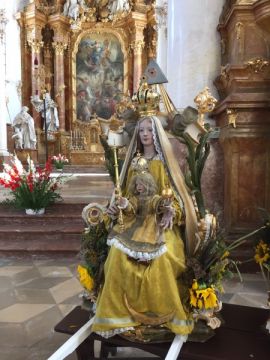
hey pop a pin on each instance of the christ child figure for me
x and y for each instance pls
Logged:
(143, 210)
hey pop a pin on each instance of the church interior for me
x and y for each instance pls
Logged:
(71, 72)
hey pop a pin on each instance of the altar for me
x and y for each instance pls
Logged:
(87, 56)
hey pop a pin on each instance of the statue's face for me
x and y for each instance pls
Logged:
(146, 132)
(140, 187)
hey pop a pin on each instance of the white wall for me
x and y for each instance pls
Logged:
(13, 59)
(193, 48)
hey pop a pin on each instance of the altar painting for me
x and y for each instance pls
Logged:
(99, 76)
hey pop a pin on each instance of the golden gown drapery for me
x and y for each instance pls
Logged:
(152, 288)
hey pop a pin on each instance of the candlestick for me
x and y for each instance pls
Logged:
(118, 192)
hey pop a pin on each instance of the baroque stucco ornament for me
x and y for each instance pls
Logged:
(257, 64)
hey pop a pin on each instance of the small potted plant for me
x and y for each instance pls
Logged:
(32, 189)
(59, 161)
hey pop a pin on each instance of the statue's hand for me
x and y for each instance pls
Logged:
(113, 210)
(122, 202)
(167, 217)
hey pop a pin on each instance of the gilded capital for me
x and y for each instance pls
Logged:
(137, 46)
(59, 47)
(36, 45)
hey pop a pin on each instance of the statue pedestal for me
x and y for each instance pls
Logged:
(23, 154)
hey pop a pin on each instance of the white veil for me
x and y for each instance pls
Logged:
(165, 151)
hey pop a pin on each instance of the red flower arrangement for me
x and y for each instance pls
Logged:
(30, 189)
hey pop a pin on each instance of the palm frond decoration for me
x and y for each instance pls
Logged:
(196, 158)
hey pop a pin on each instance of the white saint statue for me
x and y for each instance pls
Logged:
(52, 119)
(118, 6)
(24, 130)
(17, 137)
(72, 8)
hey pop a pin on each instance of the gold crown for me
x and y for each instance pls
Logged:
(139, 164)
(146, 99)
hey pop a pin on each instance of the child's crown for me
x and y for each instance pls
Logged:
(139, 164)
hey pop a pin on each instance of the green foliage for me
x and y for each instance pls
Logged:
(94, 251)
(39, 196)
(196, 158)
(33, 188)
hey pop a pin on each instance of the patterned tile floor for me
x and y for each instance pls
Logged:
(36, 292)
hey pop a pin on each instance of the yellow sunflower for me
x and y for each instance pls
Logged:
(85, 279)
(205, 298)
(225, 255)
(193, 298)
(262, 253)
(210, 299)
(195, 285)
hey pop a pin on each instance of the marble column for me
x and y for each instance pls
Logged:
(162, 42)
(137, 47)
(36, 46)
(59, 84)
(193, 54)
(3, 127)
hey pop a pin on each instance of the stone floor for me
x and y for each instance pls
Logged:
(36, 292)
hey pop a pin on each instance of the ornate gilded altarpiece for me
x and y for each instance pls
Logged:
(88, 54)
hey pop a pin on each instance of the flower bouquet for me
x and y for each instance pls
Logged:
(206, 270)
(59, 161)
(94, 251)
(33, 189)
(262, 256)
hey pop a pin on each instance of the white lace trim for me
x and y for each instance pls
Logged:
(156, 143)
(137, 255)
(110, 333)
(159, 151)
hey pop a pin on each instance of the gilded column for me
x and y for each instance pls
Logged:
(137, 46)
(59, 85)
(36, 46)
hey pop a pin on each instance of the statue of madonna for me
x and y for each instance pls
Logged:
(141, 273)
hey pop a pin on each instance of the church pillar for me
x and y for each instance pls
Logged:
(3, 126)
(36, 74)
(193, 54)
(59, 84)
(137, 47)
(139, 22)
(161, 19)
(36, 46)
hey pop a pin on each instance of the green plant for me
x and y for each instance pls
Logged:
(30, 189)
(59, 161)
(196, 159)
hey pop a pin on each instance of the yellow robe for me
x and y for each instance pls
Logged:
(149, 288)
(141, 238)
